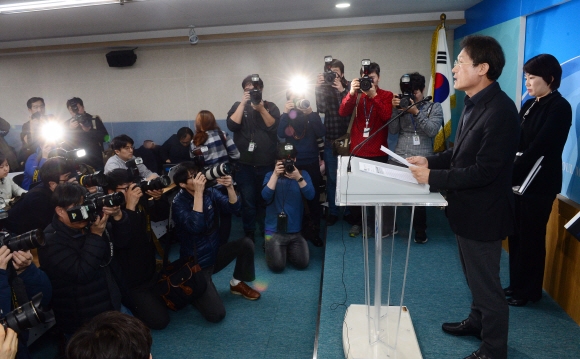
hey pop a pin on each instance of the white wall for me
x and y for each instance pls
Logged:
(175, 82)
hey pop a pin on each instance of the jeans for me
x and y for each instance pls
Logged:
(250, 179)
(331, 164)
(287, 246)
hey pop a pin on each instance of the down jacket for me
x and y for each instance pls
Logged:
(78, 265)
(198, 229)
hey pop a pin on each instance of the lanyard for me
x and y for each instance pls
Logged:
(413, 120)
(367, 117)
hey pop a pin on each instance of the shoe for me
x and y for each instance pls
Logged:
(421, 237)
(474, 355)
(370, 231)
(508, 291)
(354, 230)
(349, 218)
(513, 301)
(465, 328)
(390, 233)
(331, 220)
(245, 291)
(317, 241)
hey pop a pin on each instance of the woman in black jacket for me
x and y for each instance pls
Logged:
(544, 121)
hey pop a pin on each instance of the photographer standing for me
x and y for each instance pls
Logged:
(86, 132)
(137, 255)
(283, 190)
(254, 123)
(80, 260)
(329, 96)
(416, 130)
(373, 111)
(301, 127)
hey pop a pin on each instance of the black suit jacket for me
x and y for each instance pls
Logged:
(477, 171)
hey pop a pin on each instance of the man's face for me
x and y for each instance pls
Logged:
(81, 110)
(376, 78)
(37, 106)
(466, 75)
(185, 141)
(189, 186)
(337, 71)
(123, 188)
(63, 216)
(125, 153)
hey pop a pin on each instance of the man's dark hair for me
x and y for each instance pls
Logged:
(121, 141)
(111, 335)
(74, 101)
(417, 81)
(283, 153)
(339, 64)
(183, 132)
(33, 100)
(373, 67)
(183, 171)
(52, 169)
(547, 67)
(485, 50)
(66, 194)
(117, 177)
(248, 80)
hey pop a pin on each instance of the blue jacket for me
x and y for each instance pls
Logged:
(306, 130)
(196, 230)
(34, 162)
(288, 198)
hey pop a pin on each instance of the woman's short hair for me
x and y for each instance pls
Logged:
(547, 67)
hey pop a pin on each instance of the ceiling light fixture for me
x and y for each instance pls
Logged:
(53, 5)
(343, 5)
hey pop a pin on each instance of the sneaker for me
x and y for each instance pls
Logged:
(354, 230)
(391, 233)
(245, 291)
(421, 237)
(331, 220)
(370, 231)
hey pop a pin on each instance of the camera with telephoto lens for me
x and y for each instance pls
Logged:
(132, 167)
(216, 171)
(71, 156)
(93, 206)
(93, 180)
(329, 75)
(154, 184)
(27, 316)
(26, 241)
(256, 92)
(301, 104)
(407, 92)
(366, 83)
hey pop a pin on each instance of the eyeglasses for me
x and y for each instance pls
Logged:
(128, 148)
(457, 63)
(124, 189)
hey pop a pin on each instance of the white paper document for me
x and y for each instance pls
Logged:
(387, 172)
(396, 156)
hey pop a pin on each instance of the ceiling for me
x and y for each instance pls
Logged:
(156, 18)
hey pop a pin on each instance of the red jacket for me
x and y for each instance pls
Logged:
(379, 109)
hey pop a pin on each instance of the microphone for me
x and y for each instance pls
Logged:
(359, 146)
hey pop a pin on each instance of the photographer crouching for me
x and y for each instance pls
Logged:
(301, 127)
(79, 256)
(137, 255)
(196, 223)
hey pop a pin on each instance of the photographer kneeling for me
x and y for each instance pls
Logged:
(196, 225)
(79, 258)
(283, 190)
(137, 255)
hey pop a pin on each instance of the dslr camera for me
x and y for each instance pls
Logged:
(72, 156)
(407, 92)
(366, 83)
(132, 167)
(154, 184)
(216, 171)
(92, 180)
(256, 92)
(23, 242)
(289, 164)
(27, 316)
(82, 118)
(93, 206)
(329, 75)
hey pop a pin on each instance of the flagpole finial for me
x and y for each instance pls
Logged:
(443, 17)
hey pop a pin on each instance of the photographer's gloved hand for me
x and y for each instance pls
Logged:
(132, 196)
(98, 227)
(156, 194)
(8, 343)
(114, 212)
(21, 260)
(5, 257)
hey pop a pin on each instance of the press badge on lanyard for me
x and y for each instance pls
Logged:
(416, 140)
(367, 129)
(251, 146)
(366, 132)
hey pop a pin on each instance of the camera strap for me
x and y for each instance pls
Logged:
(353, 116)
(19, 295)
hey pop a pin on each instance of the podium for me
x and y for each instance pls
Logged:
(376, 329)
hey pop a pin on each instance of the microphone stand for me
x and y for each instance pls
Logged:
(357, 147)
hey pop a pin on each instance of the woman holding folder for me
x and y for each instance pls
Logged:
(545, 120)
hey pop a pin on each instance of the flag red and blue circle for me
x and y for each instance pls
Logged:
(441, 88)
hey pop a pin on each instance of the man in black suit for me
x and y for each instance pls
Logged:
(477, 176)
